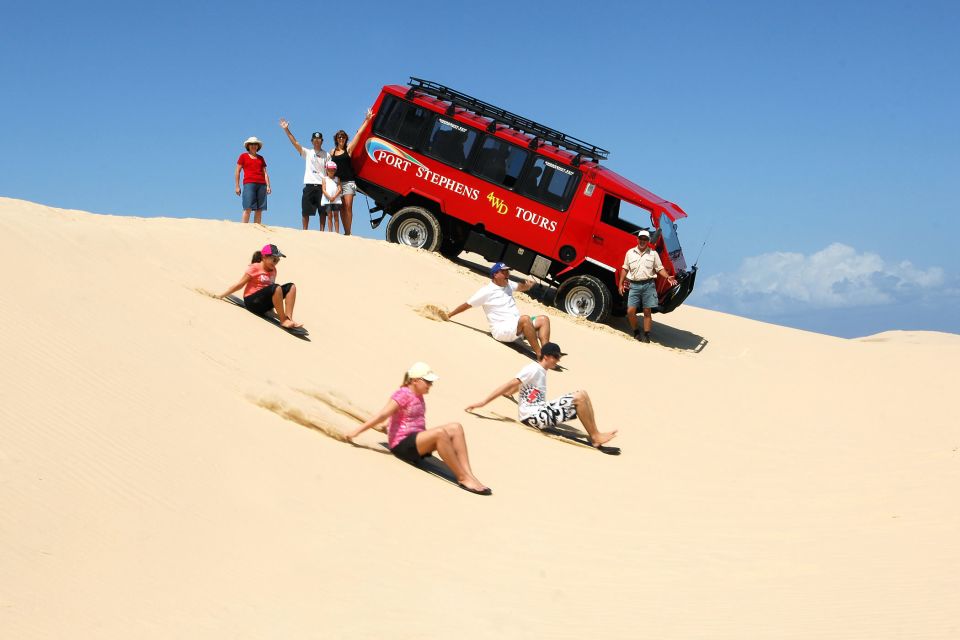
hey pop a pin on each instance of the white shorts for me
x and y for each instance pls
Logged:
(553, 413)
(505, 331)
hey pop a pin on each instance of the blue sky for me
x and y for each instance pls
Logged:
(814, 145)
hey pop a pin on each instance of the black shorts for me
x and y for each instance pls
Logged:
(406, 450)
(310, 202)
(262, 301)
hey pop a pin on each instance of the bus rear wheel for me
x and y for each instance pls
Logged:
(585, 297)
(414, 227)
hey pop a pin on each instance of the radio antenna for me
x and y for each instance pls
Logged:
(709, 231)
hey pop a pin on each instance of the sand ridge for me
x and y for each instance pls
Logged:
(158, 480)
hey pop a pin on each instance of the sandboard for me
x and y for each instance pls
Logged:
(432, 465)
(571, 437)
(579, 439)
(299, 332)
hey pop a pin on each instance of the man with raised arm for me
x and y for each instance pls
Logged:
(535, 411)
(506, 323)
(315, 160)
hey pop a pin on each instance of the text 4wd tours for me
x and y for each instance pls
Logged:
(381, 151)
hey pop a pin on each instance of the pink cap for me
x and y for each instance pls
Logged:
(271, 250)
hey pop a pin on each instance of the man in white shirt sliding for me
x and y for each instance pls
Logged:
(506, 323)
(535, 411)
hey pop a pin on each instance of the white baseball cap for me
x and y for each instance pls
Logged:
(643, 233)
(422, 370)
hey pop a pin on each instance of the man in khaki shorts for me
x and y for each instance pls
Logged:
(506, 323)
(641, 266)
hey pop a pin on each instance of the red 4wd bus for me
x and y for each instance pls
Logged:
(455, 173)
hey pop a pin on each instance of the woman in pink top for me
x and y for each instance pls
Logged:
(408, 437)
(260, 291)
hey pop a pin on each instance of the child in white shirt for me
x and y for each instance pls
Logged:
(330, 199)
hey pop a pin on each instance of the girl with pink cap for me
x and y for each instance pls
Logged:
(330, 198)
(260, 290)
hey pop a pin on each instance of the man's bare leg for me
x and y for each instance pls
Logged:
(306, 222)
(542, 325)
(585, 412)
(647, 321)
(246, 215)
(525, 327)
(257, 215)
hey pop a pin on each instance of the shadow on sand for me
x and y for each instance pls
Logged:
(432, 465)
(562, 432)
(271, 317)
(662, 334)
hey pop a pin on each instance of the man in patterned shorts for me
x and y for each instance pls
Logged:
(535, 411)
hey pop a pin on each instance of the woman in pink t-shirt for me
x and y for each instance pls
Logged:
(260, 291)
(408, 437)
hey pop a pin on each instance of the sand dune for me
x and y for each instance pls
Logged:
(171, 466)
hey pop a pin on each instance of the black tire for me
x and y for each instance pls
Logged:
(454, 238)
(585, 297)
(450, 249)
(415, 227)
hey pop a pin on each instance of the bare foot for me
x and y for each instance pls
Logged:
(473, 484)
(476, 487)
(289, 324)
(603, 438)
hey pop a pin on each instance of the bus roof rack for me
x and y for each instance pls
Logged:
(487, 110)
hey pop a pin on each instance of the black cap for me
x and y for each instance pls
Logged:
(551, 349)
(316, 134)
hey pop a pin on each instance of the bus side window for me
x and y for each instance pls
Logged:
(500, 162)
(610, 213)
(451, 143)
(531, 183)
(550, 183)
(400, 121)
(389, 117)
(412, 126)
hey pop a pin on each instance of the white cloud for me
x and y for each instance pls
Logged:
(832, 278)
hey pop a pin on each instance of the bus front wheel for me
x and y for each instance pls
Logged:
(585, 296)
(414, 227)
